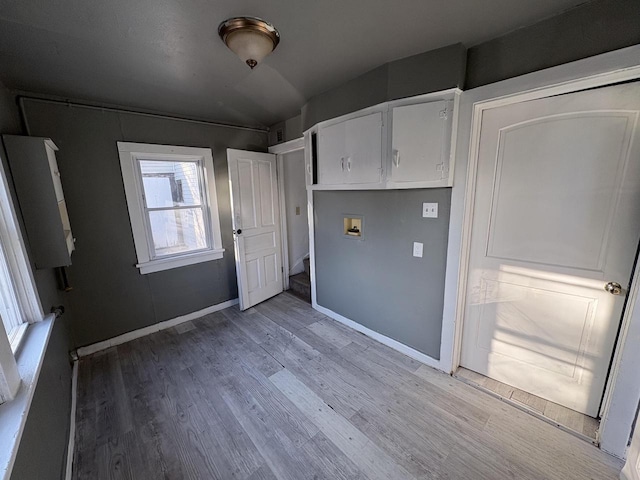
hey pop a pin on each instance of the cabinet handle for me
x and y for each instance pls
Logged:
(396, 158)
(348, 164)
(342, 163)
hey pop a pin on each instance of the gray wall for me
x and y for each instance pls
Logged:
(47, 428)
(43, 448)
(590, 29)
(376, 281)
(423, 73)
(292, 129)
(110, 296)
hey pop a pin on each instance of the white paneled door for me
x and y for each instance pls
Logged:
(256, 225)
(556, 222)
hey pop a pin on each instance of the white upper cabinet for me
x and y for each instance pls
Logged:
(400, 144)
(36, 177)
(350, 152)
(420, 142)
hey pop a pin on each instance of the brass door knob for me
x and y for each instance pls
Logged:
(613, 288)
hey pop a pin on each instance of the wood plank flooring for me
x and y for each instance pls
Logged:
(282, 392)
(575, 421)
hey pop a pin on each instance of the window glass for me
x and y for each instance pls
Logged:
(9, 309)
(171, 184)
(177, 231)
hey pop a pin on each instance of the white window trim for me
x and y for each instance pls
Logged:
(129, 154)
(24, 286)
(17, 259)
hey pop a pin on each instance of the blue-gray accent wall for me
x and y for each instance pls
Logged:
(377, 282)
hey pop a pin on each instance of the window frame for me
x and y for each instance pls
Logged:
(14, 253)
(130, 156)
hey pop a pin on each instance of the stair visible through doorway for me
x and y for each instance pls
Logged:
(300, 284)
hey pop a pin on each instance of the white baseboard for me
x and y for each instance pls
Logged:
(389, 342)
(127, 337)
(72, 424)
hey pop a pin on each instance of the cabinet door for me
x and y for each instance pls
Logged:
(39, 190)
(55, 173)
(363, 162)
(419, 143)
(350, 152)
(331, 154)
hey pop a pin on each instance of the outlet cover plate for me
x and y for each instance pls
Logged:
(417, 249)
(430, 210)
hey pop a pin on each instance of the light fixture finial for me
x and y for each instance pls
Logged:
(250, 38)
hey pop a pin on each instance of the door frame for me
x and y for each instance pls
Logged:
(602, 70)
(631, 469)
(280, 151)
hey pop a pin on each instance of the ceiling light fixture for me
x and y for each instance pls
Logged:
(250, 38)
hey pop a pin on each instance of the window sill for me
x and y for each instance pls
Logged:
(13, 414)
(181, 261)
(16, 337)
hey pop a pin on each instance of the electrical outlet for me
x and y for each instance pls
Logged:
(417, 249)
(430, 210)
(297, 210)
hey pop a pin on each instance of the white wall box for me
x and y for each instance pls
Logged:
(39, 189)
(401, 144)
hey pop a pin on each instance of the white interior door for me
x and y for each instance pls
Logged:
(256, 225)
(556, 217)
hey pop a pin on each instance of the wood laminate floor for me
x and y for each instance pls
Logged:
(282, 392)
(575, 421)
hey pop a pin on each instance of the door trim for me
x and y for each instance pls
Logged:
(280, 151)
(602, 70)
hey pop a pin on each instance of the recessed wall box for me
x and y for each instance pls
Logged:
(353, 226)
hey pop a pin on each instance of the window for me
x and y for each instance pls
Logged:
(12, 317)
(19, 301)
(172, 203)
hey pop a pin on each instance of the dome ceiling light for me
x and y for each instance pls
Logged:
(250, 38)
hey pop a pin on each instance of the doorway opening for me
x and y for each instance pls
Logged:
(295, 226)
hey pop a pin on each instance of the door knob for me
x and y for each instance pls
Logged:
(238, 232)
(613, 288)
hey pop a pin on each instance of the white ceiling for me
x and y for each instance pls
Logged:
(166, 56)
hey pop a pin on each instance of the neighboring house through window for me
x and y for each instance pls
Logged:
(172, 205)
